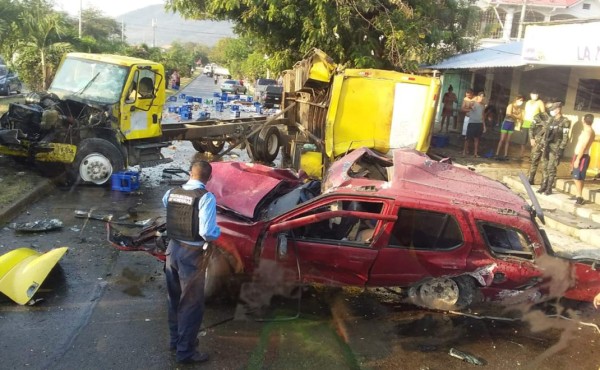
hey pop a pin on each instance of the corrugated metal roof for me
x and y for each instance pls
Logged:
(534, 3)
(503, 55)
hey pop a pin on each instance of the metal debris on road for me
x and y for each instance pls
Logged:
(39, 225)
(109, 218)
(466, 357)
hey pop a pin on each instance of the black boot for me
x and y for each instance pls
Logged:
(531, 179)
(549, 186)
(542, 186)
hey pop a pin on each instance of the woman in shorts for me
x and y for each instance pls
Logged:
(514, 117)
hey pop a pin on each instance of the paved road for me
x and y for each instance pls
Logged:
(106, 309)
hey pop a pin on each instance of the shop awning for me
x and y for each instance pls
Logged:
(499, 56)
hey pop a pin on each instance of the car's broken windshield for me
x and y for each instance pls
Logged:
(90, 80)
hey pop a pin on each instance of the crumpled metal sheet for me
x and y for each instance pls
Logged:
(39, 225)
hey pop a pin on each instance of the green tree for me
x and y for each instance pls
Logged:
(9, 30)
(41, 28)
(362, 33)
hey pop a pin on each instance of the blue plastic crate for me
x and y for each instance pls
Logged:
(181, 96)
(224, 97)
(125, 181)
(234, 108)
(440, 141)
(219, 106)
(172, 98)
(172, 109)
(216, 95)
(205, 115)
(197, 100)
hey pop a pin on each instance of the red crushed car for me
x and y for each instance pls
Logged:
(447, 236)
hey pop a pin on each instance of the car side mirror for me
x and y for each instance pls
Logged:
(282, 247)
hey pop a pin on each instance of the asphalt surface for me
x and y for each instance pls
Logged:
(106, 309)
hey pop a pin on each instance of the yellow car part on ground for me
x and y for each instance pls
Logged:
(23, 270)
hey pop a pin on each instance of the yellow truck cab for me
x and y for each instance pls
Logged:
(337, 110)
(100, 114)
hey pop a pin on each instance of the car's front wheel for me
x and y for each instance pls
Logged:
(217, 275)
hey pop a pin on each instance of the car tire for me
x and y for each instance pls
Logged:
(19, 88)
(268, 143)
(95, 162)
(446, 293)
(217, 275)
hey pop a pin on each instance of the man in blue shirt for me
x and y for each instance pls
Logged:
(191, 224)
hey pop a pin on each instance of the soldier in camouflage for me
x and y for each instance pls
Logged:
(537, 130)
(554, 141)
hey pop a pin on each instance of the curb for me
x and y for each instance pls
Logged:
(16, 207)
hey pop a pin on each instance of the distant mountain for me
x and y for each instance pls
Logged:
(171, 27)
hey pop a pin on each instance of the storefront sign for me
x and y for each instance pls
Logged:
(565, 44)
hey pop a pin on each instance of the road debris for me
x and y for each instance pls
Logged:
(466, 357)
(109, 218)
(36, 226)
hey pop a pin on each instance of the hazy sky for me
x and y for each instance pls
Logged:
(111, 8)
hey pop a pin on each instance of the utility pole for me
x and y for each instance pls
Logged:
(80, 15)
(153, 32)
(122, 30)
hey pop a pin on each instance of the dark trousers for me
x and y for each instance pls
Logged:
(185, 286)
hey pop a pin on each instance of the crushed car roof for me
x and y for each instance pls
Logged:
(412, 173)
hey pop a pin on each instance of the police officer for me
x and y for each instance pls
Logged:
(191, 224)
(537, 130)
(555, 140)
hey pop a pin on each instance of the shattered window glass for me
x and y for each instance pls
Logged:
(420, 229)
(353, 229)
(508, 241)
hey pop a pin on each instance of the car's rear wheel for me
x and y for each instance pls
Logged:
(445, 293)
(19, 88)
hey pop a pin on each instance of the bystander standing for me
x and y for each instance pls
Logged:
(581, 158)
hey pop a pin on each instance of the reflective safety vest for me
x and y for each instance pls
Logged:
(182, 214)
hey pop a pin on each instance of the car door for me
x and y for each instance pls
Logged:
(329, 241)
(426, 240)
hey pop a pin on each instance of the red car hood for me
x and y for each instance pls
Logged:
(244, 187)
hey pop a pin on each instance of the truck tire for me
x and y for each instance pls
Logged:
(197, 144)
(214, 147)
(251, 149)
(96, 160)
(268, 143)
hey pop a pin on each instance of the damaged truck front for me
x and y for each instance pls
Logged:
(100, 114)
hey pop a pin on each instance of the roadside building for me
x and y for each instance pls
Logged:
(560, 59)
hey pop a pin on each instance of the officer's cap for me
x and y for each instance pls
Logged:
(555, 105)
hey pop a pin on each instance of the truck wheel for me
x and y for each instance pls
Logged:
(96, 160)
(268, 143)
(253, 154)
(199, 146)
(217, 275)
(214, 147)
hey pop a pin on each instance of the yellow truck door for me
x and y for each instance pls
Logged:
(142, 103)
(380, 109)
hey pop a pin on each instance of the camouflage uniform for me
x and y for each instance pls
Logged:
(537, 131)
(555, 140)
